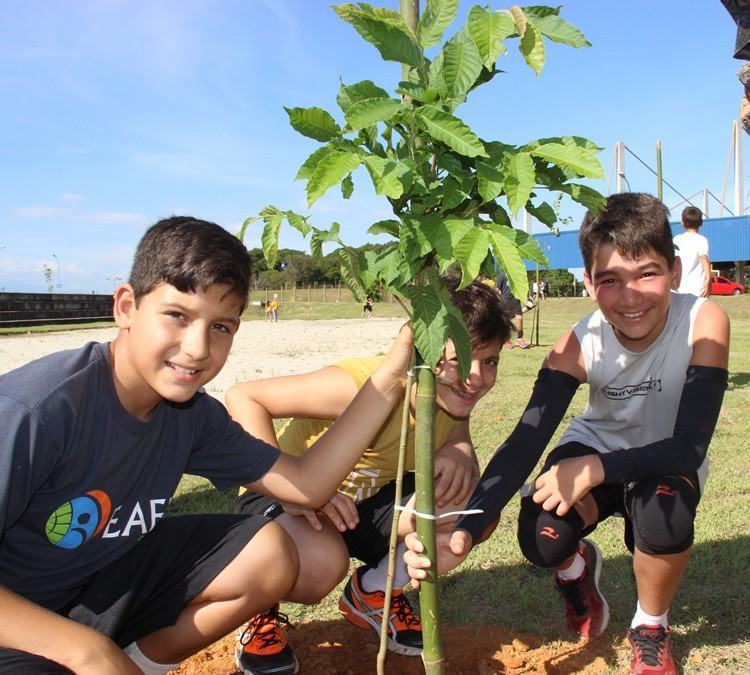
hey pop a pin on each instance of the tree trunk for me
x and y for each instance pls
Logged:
(424, 431)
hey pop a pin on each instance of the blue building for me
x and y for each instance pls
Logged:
(729, 242)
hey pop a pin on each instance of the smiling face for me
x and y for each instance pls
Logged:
(457, 397)
(171, 343)
(633, 293)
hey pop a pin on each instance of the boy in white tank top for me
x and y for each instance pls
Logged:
(656, 366)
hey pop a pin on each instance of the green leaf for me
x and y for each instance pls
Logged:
(435, 319)
(544, 213)
(367, 263)
(586, 196)
(390, 178)
(248, 221)
(417, 92)
(371, 111)
(384, 29)
(450, 163)
(414, 243)
(314, 123)
(490, 181)
(470, 253)
(559, 30)
(438, 233)
(350, 273)
(581, 160)
(270, 238)
(507, 254)
(429, 321)
(352, 93)
(347, 187)
(488, 30)
(437, 16)
(385, 227)
(298, 222)
(306, 170)
(329, 171)
(519, 180)
(532, 48)
(387, 264)
(453, 193)
(526, 245)
(461, 65)
(450, 130)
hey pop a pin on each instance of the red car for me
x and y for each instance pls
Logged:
(723, 286)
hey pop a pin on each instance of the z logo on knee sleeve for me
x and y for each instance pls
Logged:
(549, 532)
(665, 490)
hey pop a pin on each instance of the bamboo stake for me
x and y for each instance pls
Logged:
(393, 543)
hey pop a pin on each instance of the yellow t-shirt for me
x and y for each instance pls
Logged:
(378, 464)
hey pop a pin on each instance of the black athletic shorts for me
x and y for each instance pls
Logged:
(148, 587)
(368, 541)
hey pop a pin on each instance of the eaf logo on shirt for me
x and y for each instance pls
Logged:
(75, 522)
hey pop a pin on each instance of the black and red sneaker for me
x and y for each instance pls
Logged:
(586, 609)
(652, 651)
(262, 647)
(365, 610)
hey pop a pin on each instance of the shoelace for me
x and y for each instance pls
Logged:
(404, 611)
(650, 643)
(271, 621)
(573, 591)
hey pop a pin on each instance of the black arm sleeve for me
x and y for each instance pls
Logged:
(514, 460)
(684, 452)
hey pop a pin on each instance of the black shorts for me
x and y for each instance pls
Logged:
(148, 587)
(611, 498)
(368, 541)
(514, 305)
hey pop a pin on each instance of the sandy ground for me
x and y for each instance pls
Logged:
(261, 349)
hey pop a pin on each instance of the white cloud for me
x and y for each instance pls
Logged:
(95, 217)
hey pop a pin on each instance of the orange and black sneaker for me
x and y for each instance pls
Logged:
(586, 609)
(365, 610)
(652, 651)
(262, 647)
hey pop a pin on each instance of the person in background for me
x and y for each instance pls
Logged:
(692, 249)
(514, 308)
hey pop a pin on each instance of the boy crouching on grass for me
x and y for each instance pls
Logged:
(356, 521)
(93, 445)
(656, 365)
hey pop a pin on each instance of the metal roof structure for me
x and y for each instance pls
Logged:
(728, 239)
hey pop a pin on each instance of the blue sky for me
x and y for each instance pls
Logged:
(119, 112)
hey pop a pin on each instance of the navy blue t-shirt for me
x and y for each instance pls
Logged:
(82, 480)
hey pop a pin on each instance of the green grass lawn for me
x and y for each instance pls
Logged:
(711, 614)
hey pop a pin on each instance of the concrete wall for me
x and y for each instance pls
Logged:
(29, 309)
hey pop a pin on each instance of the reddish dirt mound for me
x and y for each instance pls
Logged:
(325, 648)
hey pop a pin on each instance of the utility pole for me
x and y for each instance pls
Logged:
(59, 279)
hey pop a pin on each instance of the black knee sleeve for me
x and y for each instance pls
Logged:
(546, 539)
(662, 513)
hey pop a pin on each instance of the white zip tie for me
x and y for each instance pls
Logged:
(411, 371)
(432, 516)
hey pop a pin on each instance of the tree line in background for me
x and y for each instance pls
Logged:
(299, 269)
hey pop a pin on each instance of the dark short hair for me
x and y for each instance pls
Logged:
(482, 308)
(631, 222)
(190, 254)
(692, 217)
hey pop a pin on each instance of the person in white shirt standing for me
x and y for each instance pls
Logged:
(692, 248)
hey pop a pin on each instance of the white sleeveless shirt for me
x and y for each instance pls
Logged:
(634, 396)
